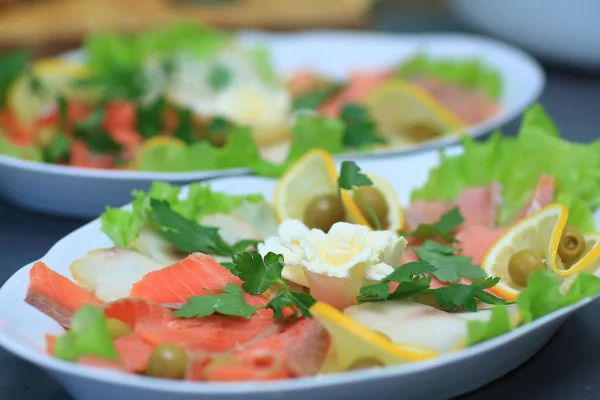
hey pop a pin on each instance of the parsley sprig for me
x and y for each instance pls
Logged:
(415, 279)
(352, 178)
(189, 236)
(442, 229)
(259, 275)
(361, 129)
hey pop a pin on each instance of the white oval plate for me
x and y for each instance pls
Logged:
(22, 330)
(82, 192)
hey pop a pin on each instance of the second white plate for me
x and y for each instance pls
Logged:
(81, 192)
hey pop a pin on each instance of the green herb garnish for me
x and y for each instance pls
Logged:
(351, 178)
(361, 130)
(258, 275)
(414, 280)
(442, 229)
(189, 236)
(219, 77)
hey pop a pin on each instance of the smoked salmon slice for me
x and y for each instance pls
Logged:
(134, 352)
(55, 295)
(472, 107)
(479, 205)
(252, 366)
(196, 275)
(134, 311)
(360, 84)
(213, 334)
(476, 240)
(50, 341)
(303, 346)
(99, 362)
(425, 212)
(543, 195)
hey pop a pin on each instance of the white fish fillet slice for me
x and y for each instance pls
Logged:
(110, 273)
(150, 243)
(406, 322)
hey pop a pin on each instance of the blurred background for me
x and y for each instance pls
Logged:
(563, 31)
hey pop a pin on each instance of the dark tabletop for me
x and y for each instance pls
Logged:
(568, 368)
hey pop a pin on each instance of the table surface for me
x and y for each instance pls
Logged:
(567, 368)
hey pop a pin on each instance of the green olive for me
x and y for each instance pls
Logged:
(324, 211)
(167, 361)
(363, 363)
(572, 245)
(375, 199)
(117, 328)
(421, 132)
(523, 263)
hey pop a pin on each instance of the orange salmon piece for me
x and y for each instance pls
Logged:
(134, 311)
(425, 212)
(215, 333)
(360, 84)
(119, 114)
(98, 362)
(196, 275)
(50, 341)
(302, 81)
(82, 157)
(15, 131)
(55, 295)
(263, 366)
(479, 205)
(476, 240)
(471, 107)
(134, 352)
(302, 345)
(542, 196)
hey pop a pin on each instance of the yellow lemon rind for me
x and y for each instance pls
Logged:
(329, 315)
(437, 109)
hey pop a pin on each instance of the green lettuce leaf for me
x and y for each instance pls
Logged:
(12, 65)
(467, 73)
(25, 152)
(543, 296)
(239, 151)
(310, 132)
(124, 226)
(88, 337)
(498, 324)
(517, 164)
(107, 51)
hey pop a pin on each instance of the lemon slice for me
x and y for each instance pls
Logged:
(33, 92)
(395, 218)
(589, 262)
(353, 343)
(314, 174)
(405, 113)
(539, 231)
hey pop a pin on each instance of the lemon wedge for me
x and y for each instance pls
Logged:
(353, 345)
(395, 216)
(405, 113)
(313, 175)
(539, 231)
(36, 90)
(589, 262)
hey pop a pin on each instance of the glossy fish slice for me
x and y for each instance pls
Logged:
(55, 295)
